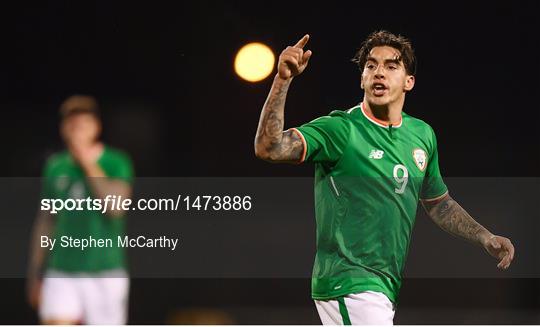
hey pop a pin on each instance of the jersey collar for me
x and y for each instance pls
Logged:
(376, 121)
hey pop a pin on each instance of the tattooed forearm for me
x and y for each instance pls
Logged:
(451, 217)
(271, 142)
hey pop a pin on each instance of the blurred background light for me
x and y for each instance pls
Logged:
(254, 62)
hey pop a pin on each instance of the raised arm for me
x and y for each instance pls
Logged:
(271, 142)
(452, 218)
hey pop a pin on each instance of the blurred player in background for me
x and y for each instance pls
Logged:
(67, 285)
(373, 164)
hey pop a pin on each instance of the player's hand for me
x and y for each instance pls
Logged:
(293, 60)
(83, 153)
(500, 248)
(33, 290)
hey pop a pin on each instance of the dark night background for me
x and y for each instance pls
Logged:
(164, 76)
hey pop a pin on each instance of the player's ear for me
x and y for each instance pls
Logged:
(99, 128)
(409, 83)
(362, 81)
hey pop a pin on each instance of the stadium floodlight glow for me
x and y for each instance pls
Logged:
(254, 62)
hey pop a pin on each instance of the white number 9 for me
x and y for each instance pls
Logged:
(401, 180)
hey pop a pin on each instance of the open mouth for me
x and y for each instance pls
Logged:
(379, 89)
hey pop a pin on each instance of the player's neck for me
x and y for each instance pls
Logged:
(389, 113)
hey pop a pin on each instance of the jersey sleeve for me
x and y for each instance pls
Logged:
(433, 186)
(325, 138)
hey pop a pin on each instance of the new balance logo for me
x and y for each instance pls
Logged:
(376, 154)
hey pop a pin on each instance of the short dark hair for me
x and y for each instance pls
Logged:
(385, 38)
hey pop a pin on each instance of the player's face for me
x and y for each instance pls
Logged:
(384, 78)
(82, 128)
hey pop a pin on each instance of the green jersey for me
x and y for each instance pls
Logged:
(64, 179)
(369, 177)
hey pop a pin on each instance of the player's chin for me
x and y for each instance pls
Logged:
(379, 100)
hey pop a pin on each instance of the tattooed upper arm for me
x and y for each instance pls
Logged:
(289, 149)
(431, 204)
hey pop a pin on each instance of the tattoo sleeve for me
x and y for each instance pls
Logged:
(271, 142)
(452, 218)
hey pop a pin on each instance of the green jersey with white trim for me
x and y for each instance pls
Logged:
(64, 179)
(369, 177)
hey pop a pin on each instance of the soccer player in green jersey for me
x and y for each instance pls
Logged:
(81, 286)
(373, 164)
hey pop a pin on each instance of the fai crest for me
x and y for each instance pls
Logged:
(420, 158)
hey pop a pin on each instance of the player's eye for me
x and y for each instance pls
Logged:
(370, 66)
(392, 67)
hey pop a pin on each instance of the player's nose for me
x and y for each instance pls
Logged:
(379, 73)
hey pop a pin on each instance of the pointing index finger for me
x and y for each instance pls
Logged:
(303, 41)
